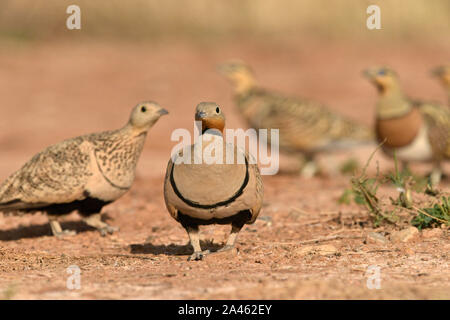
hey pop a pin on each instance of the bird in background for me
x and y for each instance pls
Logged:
(443, 74)
(305, 127)
(415, 130)
(212, 192)
(84, 173)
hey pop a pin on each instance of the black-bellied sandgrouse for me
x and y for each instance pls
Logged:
(415, 130)
(305, 126)
(201, 187)
(83, 173)
(443, 74)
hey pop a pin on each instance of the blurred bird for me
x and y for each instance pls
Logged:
(306, 127)
(415, 130)
(443, 74)
(83, 173)
(212, 192)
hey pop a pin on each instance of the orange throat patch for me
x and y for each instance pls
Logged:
(400, 131)
(213, 123)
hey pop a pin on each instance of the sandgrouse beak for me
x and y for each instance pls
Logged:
(225, 69)
(437, 72)
(222, 68)
(200, 115)
(163, 112)
(368, 73)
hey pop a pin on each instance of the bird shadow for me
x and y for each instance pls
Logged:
(40, 230)
(172, 249)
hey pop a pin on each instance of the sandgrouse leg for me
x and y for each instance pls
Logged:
(235, 229)
(57, 230)
(95, 221)
(309, 168)
(435, 175)
(194, 238)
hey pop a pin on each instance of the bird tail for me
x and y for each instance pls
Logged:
(18, 207)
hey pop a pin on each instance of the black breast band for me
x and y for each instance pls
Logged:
(217, 204)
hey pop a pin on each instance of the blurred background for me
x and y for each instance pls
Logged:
(57, 83)
(215, 21)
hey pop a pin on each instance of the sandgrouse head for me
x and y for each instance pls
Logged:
(383, 78)
(145, 114)
(238, 73)
(210, 115)
(443, 74)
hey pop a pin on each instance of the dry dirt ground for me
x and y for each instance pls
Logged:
(55, 91)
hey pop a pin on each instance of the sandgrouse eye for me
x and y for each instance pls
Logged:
(217, 110)
(143, 109)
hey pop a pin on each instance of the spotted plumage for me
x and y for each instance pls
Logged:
(305, 126)
(83, 173)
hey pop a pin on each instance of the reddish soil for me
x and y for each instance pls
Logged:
(56, 91)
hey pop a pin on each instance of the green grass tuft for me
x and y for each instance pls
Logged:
(364, 189)
(433, 216)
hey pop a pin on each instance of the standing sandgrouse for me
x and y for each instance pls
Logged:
(205, 189)
(83, 173)
(443, 74)
(415, 130)
(304, 126)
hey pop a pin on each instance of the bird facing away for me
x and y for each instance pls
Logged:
(212, 192)
(305, 127)
(443, 74)
(415, 130)
(84, 173)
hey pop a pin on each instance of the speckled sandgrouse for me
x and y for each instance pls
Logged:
(415, 130)
(83, 173)
(305, 126)
(212, 192)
